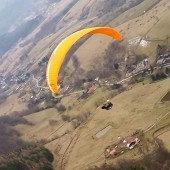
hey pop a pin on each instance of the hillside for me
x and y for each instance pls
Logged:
(138, 26)
(134, 109)
(44, 39)
(19, 12)
(133, 74)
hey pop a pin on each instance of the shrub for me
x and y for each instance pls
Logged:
(65, 118)
(167, 71)
(53, 122)
(61, 108)
(153, 77)
(48, 155)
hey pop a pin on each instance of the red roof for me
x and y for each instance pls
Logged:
(92, 89)
(63, 90)
(129, 140)
(60, 78)
(86, 84)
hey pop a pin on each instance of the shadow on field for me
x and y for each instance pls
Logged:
(16, 154)
(9, 137)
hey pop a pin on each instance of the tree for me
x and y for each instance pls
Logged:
(61, 108)
(76, 62)
(160, 50)
(151, 67)
(116, 66)
(167, 71)
(28, 74)
(65, 118)
(166, 165)
(48, 155)
(158, 76)
(15, 165)
(163, 75)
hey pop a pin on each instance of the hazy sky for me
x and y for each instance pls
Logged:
(13, 11)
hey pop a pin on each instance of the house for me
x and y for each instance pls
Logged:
(121, 147)
(146, 62)
(167, 55)
(64, 89)
(130, 142)
(160, 61)
(86, 85)
(60, 79)
(111, 152)
(146, 72)
(96, 79)
(92, 89)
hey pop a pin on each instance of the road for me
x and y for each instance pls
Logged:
(37, 84)
(68, 94)
(104, 84)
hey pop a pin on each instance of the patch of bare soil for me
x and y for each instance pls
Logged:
(166, 97)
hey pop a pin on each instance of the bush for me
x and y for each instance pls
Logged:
(86, 114)
(163, 76)
(116, 86)
(138, 80)
(15, 165)
(3, 97)
(48, 155)
(53, 122)
(167, 71)
(65, 118)
(61, 108)
(153, 77)
(159, 76)
(47, 168)
(116, 66)
(32, 157)
(69, 107)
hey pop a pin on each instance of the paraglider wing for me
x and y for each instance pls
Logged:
(61, 50)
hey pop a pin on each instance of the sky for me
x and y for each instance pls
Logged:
(13, 11)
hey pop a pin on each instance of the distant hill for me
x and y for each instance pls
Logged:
(13, 12)
(7, 40)
(61, 18)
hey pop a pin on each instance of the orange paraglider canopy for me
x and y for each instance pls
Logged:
(61, 50)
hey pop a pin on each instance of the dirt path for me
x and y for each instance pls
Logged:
(159, 119)
(65, 157)
(102, 159)
(73, 141)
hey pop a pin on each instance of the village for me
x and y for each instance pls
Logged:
(31, 89)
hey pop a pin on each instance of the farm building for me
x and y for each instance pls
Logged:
(126, 144)
(92, 89)
(130, 142)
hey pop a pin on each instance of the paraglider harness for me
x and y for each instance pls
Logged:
(107, 106)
